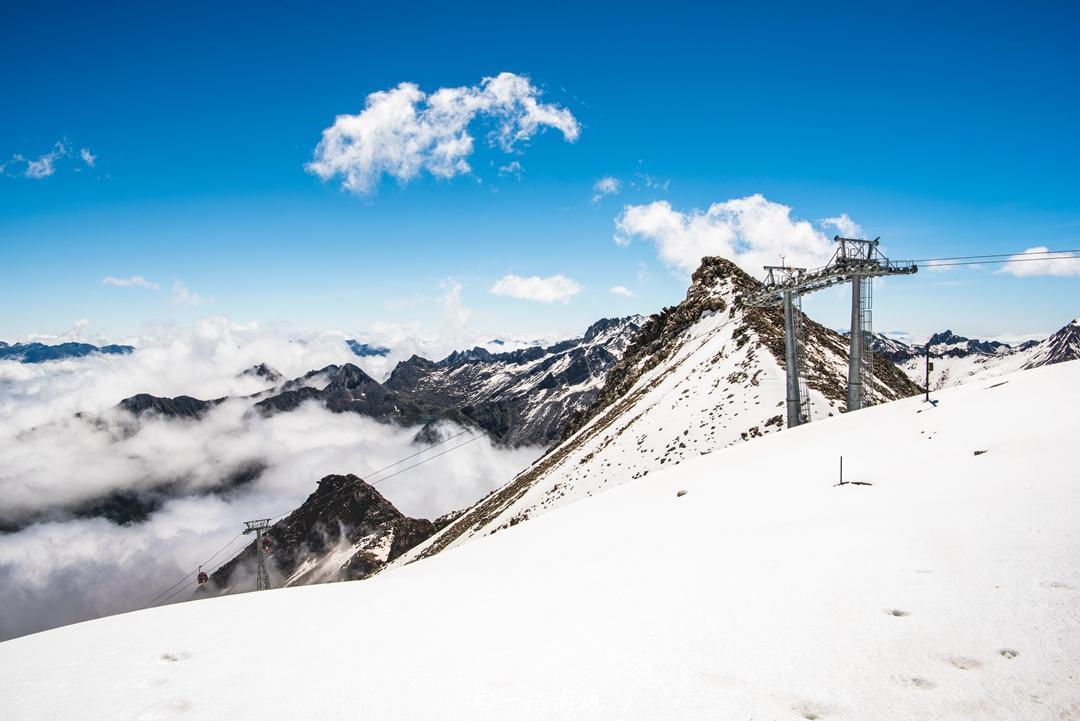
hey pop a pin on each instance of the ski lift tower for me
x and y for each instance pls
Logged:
(262, 578)
(856, 260)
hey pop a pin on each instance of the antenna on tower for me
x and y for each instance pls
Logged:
(262, 578)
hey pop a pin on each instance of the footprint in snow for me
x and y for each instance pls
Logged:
(1009, 653)
(916, 682)
(173, 656)
(1059, 585)
(896, 612)
(810, 710)
(963, 663)
(164, 710)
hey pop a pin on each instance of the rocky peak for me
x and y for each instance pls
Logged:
(345, 530)
(349, 377)
(467, 356)
(946, 337)
(263, 371)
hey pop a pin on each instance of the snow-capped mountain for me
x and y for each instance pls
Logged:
(698, 377)
(958, 359)
(523, 397)
(744, 584)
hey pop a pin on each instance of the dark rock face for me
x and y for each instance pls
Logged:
(522, 397)
(1060, 347)
(40, 352)
(367, 350)
(179, 407)
(264, 372)
(348, 389)
(346, 530)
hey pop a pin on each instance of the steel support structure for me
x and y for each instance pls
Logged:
(791, 362)
(857, 261)
(262, 578)
(854, 374)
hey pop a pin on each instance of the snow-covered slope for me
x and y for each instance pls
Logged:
(701, 376)
(947, 589)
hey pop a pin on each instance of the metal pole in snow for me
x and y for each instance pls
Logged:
(929, 365)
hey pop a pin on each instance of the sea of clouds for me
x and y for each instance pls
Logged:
(60, 570)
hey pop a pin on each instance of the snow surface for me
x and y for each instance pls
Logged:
(947, 589)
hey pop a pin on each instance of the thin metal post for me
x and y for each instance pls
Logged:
(791, 360)
(927, 371)
(854, 393)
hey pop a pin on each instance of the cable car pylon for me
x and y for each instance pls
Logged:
(262, 578)
(857, 260)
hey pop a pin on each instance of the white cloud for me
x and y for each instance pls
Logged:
(181, 295)
(404, 131)
(133, 281)
(1022, 267)
(554, 289)
(751, 231)
(453, 305)
(45, 165)
(846, 227)
(621, 290)
(606, 186)
(512, 168)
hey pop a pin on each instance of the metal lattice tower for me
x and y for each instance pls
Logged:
(857, 261)
(262, 578)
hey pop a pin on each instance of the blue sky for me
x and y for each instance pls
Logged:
(944, 130)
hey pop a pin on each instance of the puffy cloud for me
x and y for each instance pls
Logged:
(622, 290)
(844, 225)
(404, 131)
(87, 157)
(1022, 267)
(133, 281)
(751, 231)
(181, 295)
(554, 289)
(606, 186)
(68, 570)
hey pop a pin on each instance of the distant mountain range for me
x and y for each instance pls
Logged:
(958, 359)
(520, 398)
(40, 352)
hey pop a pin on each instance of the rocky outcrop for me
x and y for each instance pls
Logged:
(345, 530)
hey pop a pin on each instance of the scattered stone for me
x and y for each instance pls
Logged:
(680, 494)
